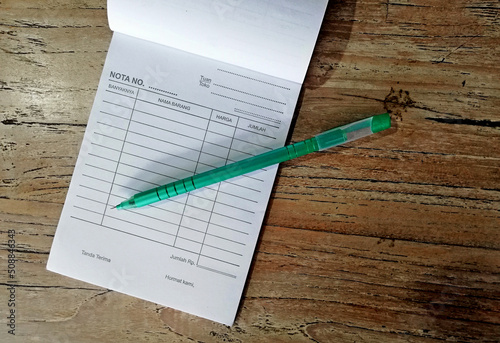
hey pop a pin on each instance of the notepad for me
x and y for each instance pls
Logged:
(187, 86)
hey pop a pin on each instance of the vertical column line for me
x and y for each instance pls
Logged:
(195, 168)
(120, 156)
(217, 192)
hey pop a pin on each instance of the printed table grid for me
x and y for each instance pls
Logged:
(137, 146)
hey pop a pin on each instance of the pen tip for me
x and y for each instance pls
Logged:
(114, 207)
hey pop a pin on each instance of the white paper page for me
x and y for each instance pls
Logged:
(161, 115)
(274, 37)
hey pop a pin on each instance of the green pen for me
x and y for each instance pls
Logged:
(325, 140)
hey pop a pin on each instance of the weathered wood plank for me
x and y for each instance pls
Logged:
(393, 239)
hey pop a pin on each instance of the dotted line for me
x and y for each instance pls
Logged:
(277, 121)
(248, 103)
(257, 96)
(161, 90)
(249, 78)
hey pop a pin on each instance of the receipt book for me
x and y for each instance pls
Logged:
(187, 86)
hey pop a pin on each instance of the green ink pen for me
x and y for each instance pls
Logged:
(325, 140)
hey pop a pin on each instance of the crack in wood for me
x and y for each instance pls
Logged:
(15, 122)
(465, 121)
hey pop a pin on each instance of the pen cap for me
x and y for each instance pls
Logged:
(381, 122)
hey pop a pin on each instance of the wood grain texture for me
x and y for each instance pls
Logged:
(389, 239)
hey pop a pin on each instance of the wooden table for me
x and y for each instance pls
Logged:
(389, 239)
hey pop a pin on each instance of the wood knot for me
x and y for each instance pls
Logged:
(396, 103)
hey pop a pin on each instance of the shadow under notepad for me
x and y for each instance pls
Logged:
(332, 41)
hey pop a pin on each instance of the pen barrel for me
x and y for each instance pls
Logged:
(237, 168)
(327, 139)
